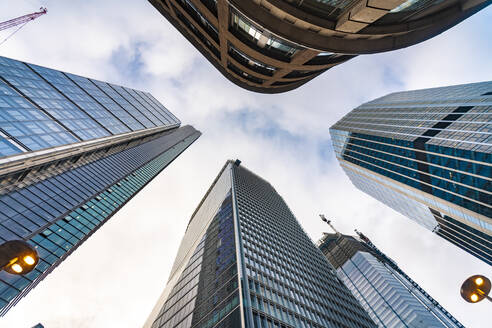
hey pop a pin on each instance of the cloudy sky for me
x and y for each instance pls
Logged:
(114, 278)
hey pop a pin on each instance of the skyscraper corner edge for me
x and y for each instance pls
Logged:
(427, 154)
(216, 252)
(86, 147)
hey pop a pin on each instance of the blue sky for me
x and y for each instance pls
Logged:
(114, 279)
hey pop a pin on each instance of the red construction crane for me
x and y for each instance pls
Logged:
(22, 19)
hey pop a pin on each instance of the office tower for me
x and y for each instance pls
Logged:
(428, 155)
(73, 151)
(273, 46)
(391, 298)
(245, 261)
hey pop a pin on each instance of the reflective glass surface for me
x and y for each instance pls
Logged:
(385, 294)
(136, 103)
(290, 283)
(206, 294)
(149, 107)
(106, 101)
(57, 214)
(121, 101)
(411, 5)
(160, 108)
(42, 108)
(326, 9)
(50, 100)
(55, 198)
(164, 111)
(437, 141)
(7, 148)
(23, 121)
(199, 18)
(261, 38)
(251, 63)
(285, 282)
(82, 100)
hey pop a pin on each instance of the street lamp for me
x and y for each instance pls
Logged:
(18, 257)
(476, 288)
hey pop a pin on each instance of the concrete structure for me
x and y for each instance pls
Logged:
(245, 261)
(273, 46)
(428, 155)
(391, 298)
(73, 151)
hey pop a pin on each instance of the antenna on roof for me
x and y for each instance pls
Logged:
(323, 218)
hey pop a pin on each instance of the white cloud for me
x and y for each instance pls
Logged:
(114, 278)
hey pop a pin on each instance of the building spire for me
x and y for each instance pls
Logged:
(362, 236)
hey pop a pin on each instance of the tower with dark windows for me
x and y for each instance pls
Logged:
(428, 155)
(73, 151)
(273, 46)
(245, 261)
(391, 297)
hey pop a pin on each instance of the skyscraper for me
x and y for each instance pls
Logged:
(246, 262)
(428, 155)
(273, 46)
(391, 298)
(73, 151)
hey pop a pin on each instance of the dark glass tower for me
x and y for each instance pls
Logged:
(274, 46)
(391, 298)
(246, 262)
(428, 155)
(73, 151)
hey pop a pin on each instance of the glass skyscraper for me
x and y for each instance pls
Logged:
(428, 155)
(73, 151)
(391, 298)
(246, 262)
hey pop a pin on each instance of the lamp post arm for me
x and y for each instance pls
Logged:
(485, 295)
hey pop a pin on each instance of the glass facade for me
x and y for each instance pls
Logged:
(326, 9)
(73, 151)
(207, 294)
(263, 40)
(391, 298)
(42, 108)
(427, 154)
(333, 9)
(233, 268)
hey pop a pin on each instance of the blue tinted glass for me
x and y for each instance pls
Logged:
(6, 148)
(82, 99)
(106, 101)
(26, 123)
(163, 109)
(136, 102)
(56, 215)
(50, 100)
(149, 106)
(124, 103)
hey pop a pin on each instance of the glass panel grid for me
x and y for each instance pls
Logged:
(81, 99)
(289, 281)
(43, 95)
(438, 141)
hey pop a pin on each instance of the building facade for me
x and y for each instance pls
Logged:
(273, 46)
(428, 155)
(73, 151)
(391, 298)
(246, 262)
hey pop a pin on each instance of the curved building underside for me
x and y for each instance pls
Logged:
(273, 46)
